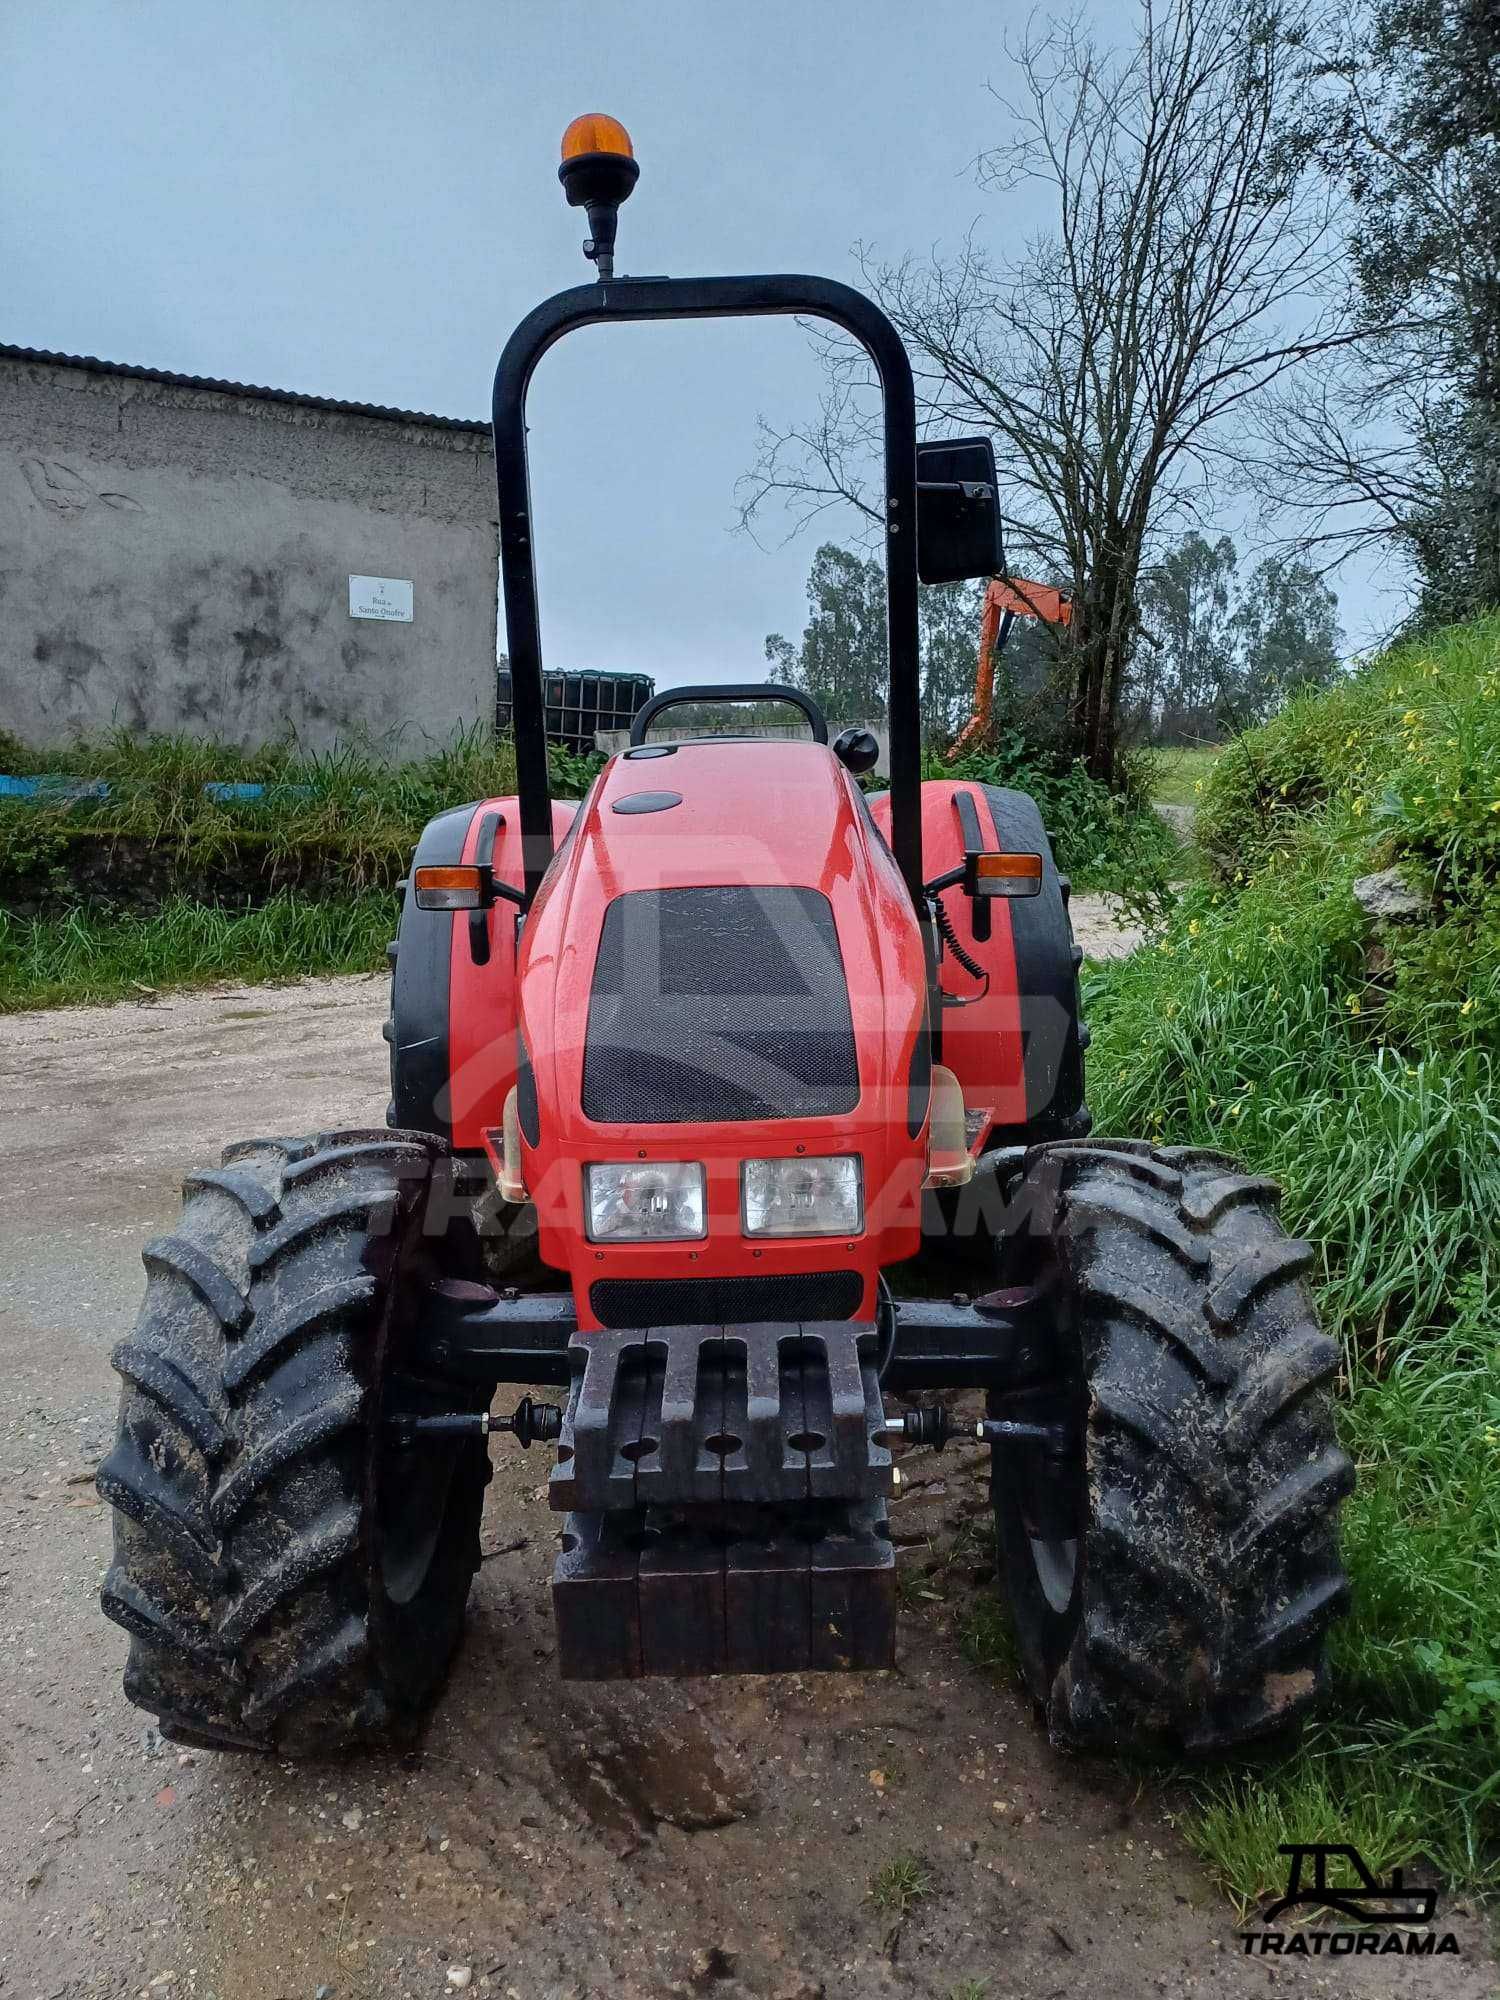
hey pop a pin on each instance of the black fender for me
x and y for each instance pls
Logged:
(1047, 963)
(417, 1029)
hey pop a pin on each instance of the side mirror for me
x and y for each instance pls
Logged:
(958, 511)
(858, 750)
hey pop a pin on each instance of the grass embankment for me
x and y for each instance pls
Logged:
(356, 815)
(1178, 776)
(1359, 1068)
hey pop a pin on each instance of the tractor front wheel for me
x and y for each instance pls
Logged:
(292, 1575)
(1171, 1559)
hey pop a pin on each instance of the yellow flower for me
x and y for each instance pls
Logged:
(1467, 1007)
(1495, 806)
(1352, 1003)
(1410, 719)
(1359, 807)
(1194, 927)
(1235, 1110)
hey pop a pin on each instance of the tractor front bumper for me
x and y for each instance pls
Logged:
(724, 1488)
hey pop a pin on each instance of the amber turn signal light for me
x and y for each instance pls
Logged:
(596, 133)
(1004, 874)
(460, 888)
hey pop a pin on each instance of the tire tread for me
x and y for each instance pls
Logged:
(1210, 1569)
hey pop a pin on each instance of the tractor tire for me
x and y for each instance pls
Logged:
(1173, 1570)
(292, 1578)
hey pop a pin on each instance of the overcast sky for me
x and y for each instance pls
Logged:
(359, 200)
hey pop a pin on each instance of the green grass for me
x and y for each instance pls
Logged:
(347, 808)
(896, 1888)
(1178, 776)
(1261, 1022)
(986, 1637)
(346, 802)
(86, 956)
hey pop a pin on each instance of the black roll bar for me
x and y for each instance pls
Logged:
(709, 298)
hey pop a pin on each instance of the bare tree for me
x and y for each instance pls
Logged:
(1189, 266)
(1396, 443)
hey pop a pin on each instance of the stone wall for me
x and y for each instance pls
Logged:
(177, 557)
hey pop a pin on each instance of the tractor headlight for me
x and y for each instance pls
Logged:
(646, 1201)
(803, 1197)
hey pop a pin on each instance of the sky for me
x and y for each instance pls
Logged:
(360, 200)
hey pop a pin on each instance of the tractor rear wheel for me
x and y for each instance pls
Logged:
(1173, 1567)
(292, 1576)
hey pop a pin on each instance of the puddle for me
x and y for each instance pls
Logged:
(632, 1773)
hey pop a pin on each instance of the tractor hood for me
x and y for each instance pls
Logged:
(723, 964)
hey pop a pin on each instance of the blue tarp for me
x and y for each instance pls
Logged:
(52, 787)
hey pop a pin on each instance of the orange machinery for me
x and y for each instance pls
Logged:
(1005, 600)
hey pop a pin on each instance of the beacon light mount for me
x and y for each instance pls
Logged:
(598, 172)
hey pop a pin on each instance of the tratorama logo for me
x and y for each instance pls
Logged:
(1384, 1917)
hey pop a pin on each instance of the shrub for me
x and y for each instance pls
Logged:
(1103, 839)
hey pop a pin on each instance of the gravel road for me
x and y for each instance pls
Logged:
(713, 1838)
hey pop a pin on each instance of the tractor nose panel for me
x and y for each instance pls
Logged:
(738, 978)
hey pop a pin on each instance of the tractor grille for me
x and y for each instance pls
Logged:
(712, 1006)
(641, 1302)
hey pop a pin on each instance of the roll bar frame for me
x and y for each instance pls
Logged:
(632, 299)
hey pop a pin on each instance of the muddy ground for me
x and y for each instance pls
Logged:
(713, 1838)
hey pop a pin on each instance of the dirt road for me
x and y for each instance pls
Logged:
(715, 1838)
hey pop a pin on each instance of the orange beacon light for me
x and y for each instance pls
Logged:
(598, 172)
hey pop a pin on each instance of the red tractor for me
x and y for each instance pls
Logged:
(733, 1102)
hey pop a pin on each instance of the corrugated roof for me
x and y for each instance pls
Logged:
(94, 366)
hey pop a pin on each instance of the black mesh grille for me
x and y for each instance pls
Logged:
(638, 1302)
(717, 1005)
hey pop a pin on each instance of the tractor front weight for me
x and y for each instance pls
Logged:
(724, 1488)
